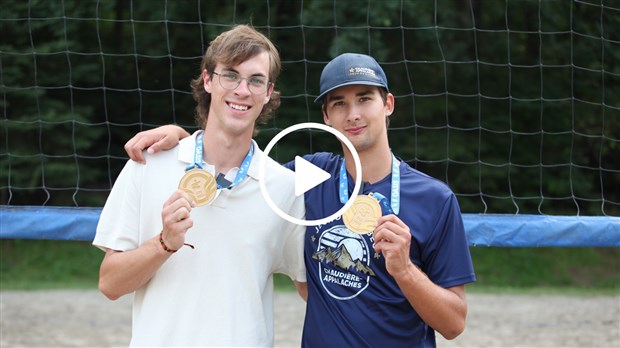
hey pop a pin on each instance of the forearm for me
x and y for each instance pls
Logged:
(125, 272)
(302, 290)
(445, 310)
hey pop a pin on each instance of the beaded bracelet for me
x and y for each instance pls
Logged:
(163, 245)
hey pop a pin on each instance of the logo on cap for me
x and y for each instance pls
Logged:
(362, 71)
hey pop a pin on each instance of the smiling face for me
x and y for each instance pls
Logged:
(359, 112)
(230, 50)
(234, 111)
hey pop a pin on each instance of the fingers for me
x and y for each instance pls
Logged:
(391, 232)
(391, 226)
(393, 240)
(153, 140)
(176, 218)
(133, 150)
(179, 199)
(165, 138)
(165, 143)
(177, 208)
(391, 218)
(139, 143)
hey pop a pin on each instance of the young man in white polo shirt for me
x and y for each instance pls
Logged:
(201, 267)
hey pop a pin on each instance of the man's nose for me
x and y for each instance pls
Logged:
(243, 88)
(354, 114)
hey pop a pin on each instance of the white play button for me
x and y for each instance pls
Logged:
(307, 175)
(305, 181)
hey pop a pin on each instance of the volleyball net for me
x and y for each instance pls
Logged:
(515, 106)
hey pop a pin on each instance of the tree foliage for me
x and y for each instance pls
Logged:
(514, 105)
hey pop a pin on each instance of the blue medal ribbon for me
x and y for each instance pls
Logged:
(243, 169)
(385, 205)
(394, 205)
(197, 153)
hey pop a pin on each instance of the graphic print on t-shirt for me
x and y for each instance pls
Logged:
(344, 262)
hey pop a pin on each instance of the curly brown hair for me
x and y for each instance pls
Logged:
(231, 48)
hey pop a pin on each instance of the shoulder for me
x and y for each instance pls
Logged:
(164, 160)
(422, 183)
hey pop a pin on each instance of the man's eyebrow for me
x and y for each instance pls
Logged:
(331, 97)
(362, 93)
(236, 72)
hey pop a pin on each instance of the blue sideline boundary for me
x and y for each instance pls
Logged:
(501, 230)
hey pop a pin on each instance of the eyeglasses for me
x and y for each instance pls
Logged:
(231, 80)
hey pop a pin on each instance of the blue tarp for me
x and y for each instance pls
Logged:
(505, 230)
(44, 222)
(508, 230)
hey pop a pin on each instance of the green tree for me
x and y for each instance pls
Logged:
(514, 105)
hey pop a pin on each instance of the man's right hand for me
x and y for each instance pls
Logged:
(176, 219)
(154, 140)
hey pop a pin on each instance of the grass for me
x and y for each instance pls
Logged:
(44, 264)
(581, 268)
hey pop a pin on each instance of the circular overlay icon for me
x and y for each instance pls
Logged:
(341, 137)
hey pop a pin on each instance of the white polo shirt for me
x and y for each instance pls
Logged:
(221, 293)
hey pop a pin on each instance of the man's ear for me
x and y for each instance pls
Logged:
(268, 94)
(325, 117)
(206, 81)
(389, 104)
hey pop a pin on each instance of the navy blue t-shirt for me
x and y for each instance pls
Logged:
(352, 300)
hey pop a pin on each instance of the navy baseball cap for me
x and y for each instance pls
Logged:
(351, 69)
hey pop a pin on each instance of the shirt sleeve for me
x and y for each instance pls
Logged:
(294, 244)
(447, 260)
(118, 226)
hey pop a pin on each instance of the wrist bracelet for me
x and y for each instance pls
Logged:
(163, 245)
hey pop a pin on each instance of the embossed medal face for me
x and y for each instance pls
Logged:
(362, 215)
(199, 184)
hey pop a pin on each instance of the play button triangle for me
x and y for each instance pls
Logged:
(307, 175)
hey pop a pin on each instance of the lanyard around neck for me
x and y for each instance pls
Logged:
(394, 188)
(243, 169)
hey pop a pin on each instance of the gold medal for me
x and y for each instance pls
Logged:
(199, 184)
(362, 215)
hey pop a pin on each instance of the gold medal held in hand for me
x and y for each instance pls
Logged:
(362, 215)
(200, 185)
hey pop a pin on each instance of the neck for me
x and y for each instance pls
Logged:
(224, 151)
(376, 164)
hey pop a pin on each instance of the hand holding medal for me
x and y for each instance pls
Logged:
(176, 220)
(367, 209)
(393, 240)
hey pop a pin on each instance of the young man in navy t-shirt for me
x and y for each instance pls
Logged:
(396, 285)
